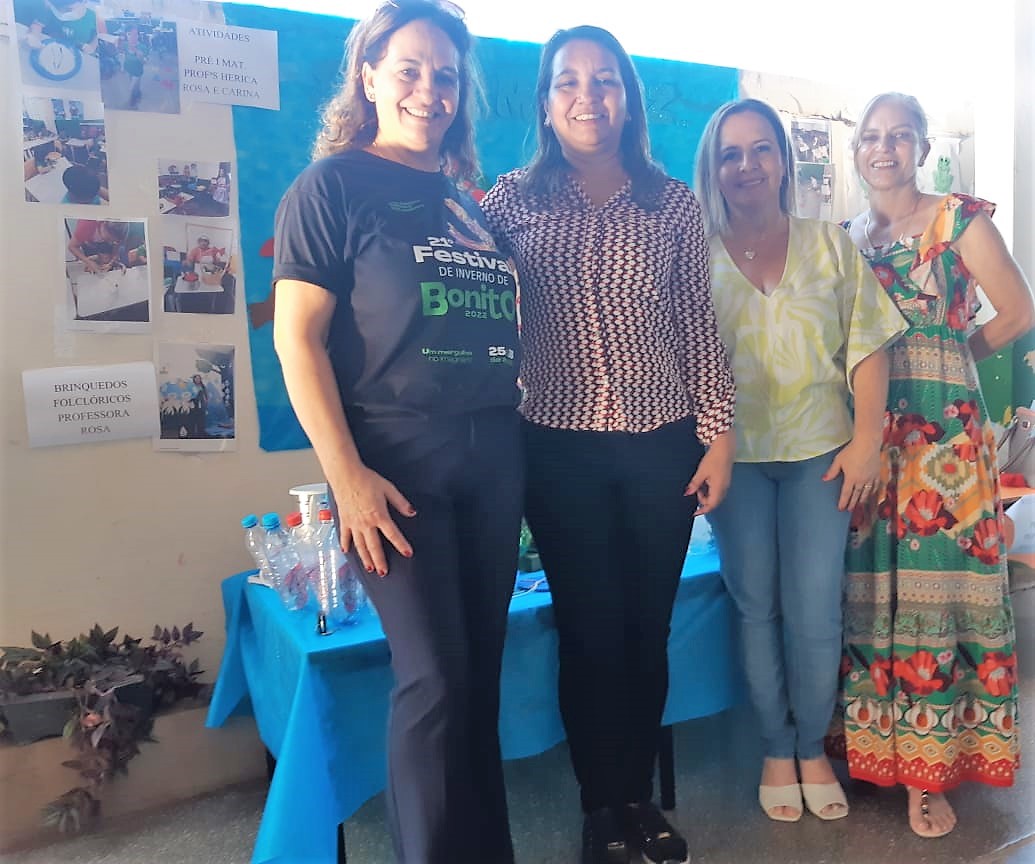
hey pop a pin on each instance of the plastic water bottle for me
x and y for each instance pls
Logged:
(254, 542)
(305, 538)
(288, 576)
(339, 592)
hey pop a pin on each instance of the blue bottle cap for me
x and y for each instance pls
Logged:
(271, 520)
(249, 521)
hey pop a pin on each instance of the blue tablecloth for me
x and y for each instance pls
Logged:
(321, 702)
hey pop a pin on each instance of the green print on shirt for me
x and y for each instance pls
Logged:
(476, 303)
(406, 206)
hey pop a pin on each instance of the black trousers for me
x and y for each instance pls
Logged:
(444, 613)
(612, 526)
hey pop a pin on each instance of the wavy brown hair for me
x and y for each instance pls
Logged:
(349, 119)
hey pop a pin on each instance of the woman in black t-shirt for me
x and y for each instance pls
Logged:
(396, 329)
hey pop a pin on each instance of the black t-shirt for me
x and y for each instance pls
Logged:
(426, 317)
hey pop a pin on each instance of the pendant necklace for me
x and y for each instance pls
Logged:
(751, 252)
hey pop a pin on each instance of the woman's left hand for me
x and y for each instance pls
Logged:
(860, 465)
(712, 478)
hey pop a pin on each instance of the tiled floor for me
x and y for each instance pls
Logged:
(716, 771)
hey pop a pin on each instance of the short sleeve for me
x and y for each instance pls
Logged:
(311, 231)
(870, 318)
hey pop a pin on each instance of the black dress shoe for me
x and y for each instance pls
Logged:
(603, 838)
(650, 833)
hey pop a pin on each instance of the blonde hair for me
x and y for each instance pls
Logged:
(916, 114)
(706, 174)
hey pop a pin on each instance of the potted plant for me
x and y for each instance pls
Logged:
(111, 689)
(37, 686)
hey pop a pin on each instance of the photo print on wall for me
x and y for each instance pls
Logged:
(198, 273)
(188, 188)
(108, 278)
(195, 396)
(63, 149)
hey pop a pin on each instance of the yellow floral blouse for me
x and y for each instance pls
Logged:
(794, 351)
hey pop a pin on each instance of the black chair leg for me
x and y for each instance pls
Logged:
(666, 769)
(341, 843)
(271, 765)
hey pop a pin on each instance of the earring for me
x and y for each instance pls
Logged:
(546, 120)
(370, 94)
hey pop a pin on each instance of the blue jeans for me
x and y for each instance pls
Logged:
(782, 543)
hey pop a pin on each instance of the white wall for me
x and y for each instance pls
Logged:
(119, 534)
(1024, 164)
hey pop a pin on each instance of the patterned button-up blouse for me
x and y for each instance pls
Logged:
(617, 323)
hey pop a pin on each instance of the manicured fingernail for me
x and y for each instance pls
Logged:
(408, 553)
(382, 573)
(413, 512)
(370, 569)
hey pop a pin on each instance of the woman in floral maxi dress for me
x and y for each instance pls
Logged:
(929, 681)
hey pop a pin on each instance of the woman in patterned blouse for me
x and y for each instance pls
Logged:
(628, 408)
(806, 324)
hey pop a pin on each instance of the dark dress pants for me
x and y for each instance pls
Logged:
(444, 612)
(612, 526)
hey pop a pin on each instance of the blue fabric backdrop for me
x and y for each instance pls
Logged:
(273, 146)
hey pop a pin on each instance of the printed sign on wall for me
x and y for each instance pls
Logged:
(86, 404)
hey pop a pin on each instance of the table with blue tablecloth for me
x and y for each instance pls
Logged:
(321, 702)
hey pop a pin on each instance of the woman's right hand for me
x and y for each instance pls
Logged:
(363, 518)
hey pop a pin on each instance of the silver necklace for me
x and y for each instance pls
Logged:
(869, 237)
(751, 252)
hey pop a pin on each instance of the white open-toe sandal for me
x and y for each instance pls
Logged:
(819, 796)
(771, 797)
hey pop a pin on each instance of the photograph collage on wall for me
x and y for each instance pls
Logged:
(814, 171)
(78, 60)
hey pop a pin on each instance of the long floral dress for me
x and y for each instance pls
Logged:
(929, 682)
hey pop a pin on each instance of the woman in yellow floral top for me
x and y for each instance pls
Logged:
(805, 323)
(929, 674)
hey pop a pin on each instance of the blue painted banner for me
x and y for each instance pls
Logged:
(273, 146)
